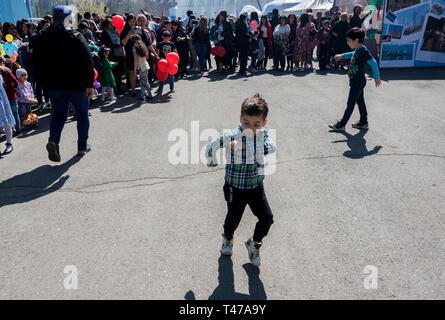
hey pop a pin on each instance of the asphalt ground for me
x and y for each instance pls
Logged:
(136, 226)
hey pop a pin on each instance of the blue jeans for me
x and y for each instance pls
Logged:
(60, 101)
(170, 80)
(24, 109)
(15, 113)
(201, 51)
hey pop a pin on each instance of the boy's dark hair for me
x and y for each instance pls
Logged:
(255, 106)
(356, 33)
(166, 34)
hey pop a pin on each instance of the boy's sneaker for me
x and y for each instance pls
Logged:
(227, 246)
(327, 67)
(53, 151)
(147, 98)
(8, 149)
(294, 69)
(253, 249)
(83, 151)
(337, 126)
(361, 126)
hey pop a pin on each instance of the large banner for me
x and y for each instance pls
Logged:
(413, 34)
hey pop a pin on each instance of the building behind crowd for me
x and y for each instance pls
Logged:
(14, 10)
(210, 8)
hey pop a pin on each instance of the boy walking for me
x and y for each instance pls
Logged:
(163, 49)
(357, 81)
(245, 148)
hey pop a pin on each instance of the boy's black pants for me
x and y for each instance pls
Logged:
(237, 199)
(356, 96)
(324, 55)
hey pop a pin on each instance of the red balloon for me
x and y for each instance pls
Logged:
(118, 23)
(95, 74)
(213, 51)
(172, 58)
(221, 52)
(172, 68)
(162, 76)
(162, 65)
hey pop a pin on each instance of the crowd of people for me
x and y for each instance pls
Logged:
(131, 54)
(64, 67)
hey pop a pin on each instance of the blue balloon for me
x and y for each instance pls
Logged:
(10, 48)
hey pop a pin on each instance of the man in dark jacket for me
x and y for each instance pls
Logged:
(242, 42)
(64, 62)
(355, 20)
(274, 21)
(228, 39)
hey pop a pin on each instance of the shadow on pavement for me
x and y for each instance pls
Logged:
(357, 145)
(226, 287)
(34, 184)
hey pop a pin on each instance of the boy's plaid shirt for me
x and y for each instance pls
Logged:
(245, 164)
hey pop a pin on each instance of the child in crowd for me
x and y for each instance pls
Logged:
(360, 57)
(108, 82)
(6, 117)
(25, 94)
(141, 66)
(163, 48)
(324, 44)
(255, 48)
(261, 51)
(10, 84)
(246, 146)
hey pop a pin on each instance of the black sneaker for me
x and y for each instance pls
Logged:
(83, 151)
(360, 126)
(53, 151)
(337, 126)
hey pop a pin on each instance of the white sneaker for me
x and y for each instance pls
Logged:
(227, 246)
(253, 250)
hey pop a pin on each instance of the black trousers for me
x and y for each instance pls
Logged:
(237, 199)
(266, 51)
(243, 55)
(324, 56)
(118, 72)
(356, 96)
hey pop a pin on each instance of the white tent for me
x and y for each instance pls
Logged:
(249, 9)
(280, 5)
(315, 5)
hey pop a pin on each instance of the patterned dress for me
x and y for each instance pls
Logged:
(6, 116)
(304, 43)
(281, 38)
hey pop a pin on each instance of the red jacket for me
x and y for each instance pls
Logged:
(10, 83)
(269, 34)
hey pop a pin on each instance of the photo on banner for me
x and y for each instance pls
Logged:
(432, 46)
(413, 34)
